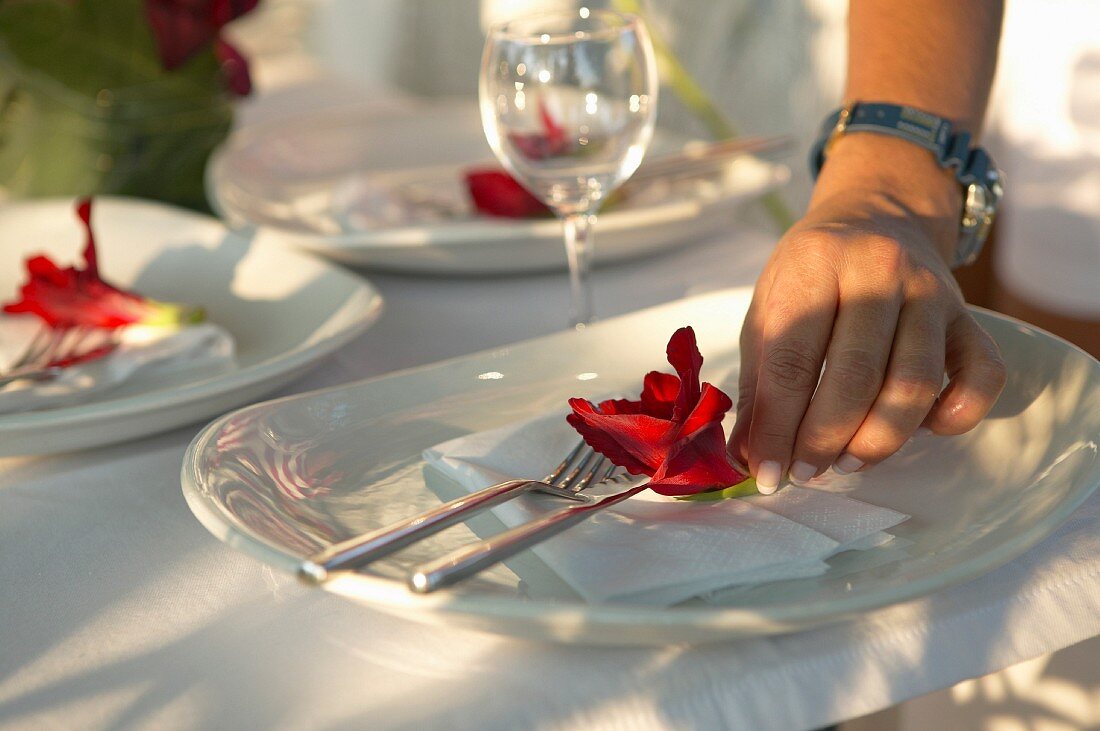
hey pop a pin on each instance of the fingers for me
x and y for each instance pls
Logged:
(751, 332)
(977, 375)
(854, 372)
(797, 321)
(890, 324)
(913, 380)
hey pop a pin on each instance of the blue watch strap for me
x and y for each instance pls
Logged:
(927, 130)
(981, 181)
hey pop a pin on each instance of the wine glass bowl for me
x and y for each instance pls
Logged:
(568, 103)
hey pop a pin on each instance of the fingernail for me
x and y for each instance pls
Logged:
(802, 472)
(846, 463)
(768, 475)
(923, 432)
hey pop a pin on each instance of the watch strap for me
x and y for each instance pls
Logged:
(951, 150)
(981, 181)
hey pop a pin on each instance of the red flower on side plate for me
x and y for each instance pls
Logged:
(496, 193)
(72, 296)
(673, 433)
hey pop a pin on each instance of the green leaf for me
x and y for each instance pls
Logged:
(91, 45)
(86, 107)
(741, 489)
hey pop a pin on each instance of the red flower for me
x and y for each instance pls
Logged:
(181, 28)
(550, 142)
(496, 193)
(673, 433)
(234, 68)
(78, 297)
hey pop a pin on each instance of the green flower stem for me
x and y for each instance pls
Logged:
(741, 489)
(172, 315)
(687, 89)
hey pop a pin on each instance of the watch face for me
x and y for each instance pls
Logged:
(979, 211)
(976, 207)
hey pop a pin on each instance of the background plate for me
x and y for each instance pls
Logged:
(301, 181)
(283, 479)
(286, 311)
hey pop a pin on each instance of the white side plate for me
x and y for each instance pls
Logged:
(286, 311)
(319, 182)
(283, 479)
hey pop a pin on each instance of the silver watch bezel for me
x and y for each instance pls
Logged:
(981, 201)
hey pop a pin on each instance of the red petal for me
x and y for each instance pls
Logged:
(551, 141)
(182, 27)
(496, 193)
(658, 394)
(555, 133)
(683, 355)
(697, 464)
(84, 212)
(620, 406)
(234, 68)
(178, 30)
(634, 441)
(42, 268)
(223, 11)
(659, 391)
(712, 406)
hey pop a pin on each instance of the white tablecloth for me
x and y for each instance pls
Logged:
(118, 610)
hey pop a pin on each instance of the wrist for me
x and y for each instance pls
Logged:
(898, 179)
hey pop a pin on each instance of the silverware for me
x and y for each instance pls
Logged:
(469, 560)
(698, 157)
(576, 472)
(51, 350)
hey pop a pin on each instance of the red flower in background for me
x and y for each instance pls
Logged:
(673, 433)
(234, 68)
(181, 28)
(496, 193)
(74, 297)
(550, 142)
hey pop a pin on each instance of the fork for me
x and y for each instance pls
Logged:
(51, 350)
(569, 479)
(464, 562)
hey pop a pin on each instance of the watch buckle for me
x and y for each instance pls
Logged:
(842, 123)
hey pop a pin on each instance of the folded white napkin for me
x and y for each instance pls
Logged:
(151, 351)
(657, 550)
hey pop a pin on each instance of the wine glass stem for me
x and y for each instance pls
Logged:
(578, 250)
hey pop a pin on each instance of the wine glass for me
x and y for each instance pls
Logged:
(568, 101)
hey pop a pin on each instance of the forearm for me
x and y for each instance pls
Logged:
(935, 55)
(856, 318)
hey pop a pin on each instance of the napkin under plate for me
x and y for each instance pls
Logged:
(657, 550)
(150, 352)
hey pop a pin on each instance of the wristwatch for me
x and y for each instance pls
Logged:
(982, 182)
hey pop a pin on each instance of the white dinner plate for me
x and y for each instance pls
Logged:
(283, 479)
(284, 309)
(321, 182)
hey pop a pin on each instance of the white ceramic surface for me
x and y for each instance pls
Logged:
(307, 181)
(282, 479)
(285, 310)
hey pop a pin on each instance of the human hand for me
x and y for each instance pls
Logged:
(861, 285)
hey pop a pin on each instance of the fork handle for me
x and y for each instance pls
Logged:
(479, 556)
(368, 547)
(29, 374)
